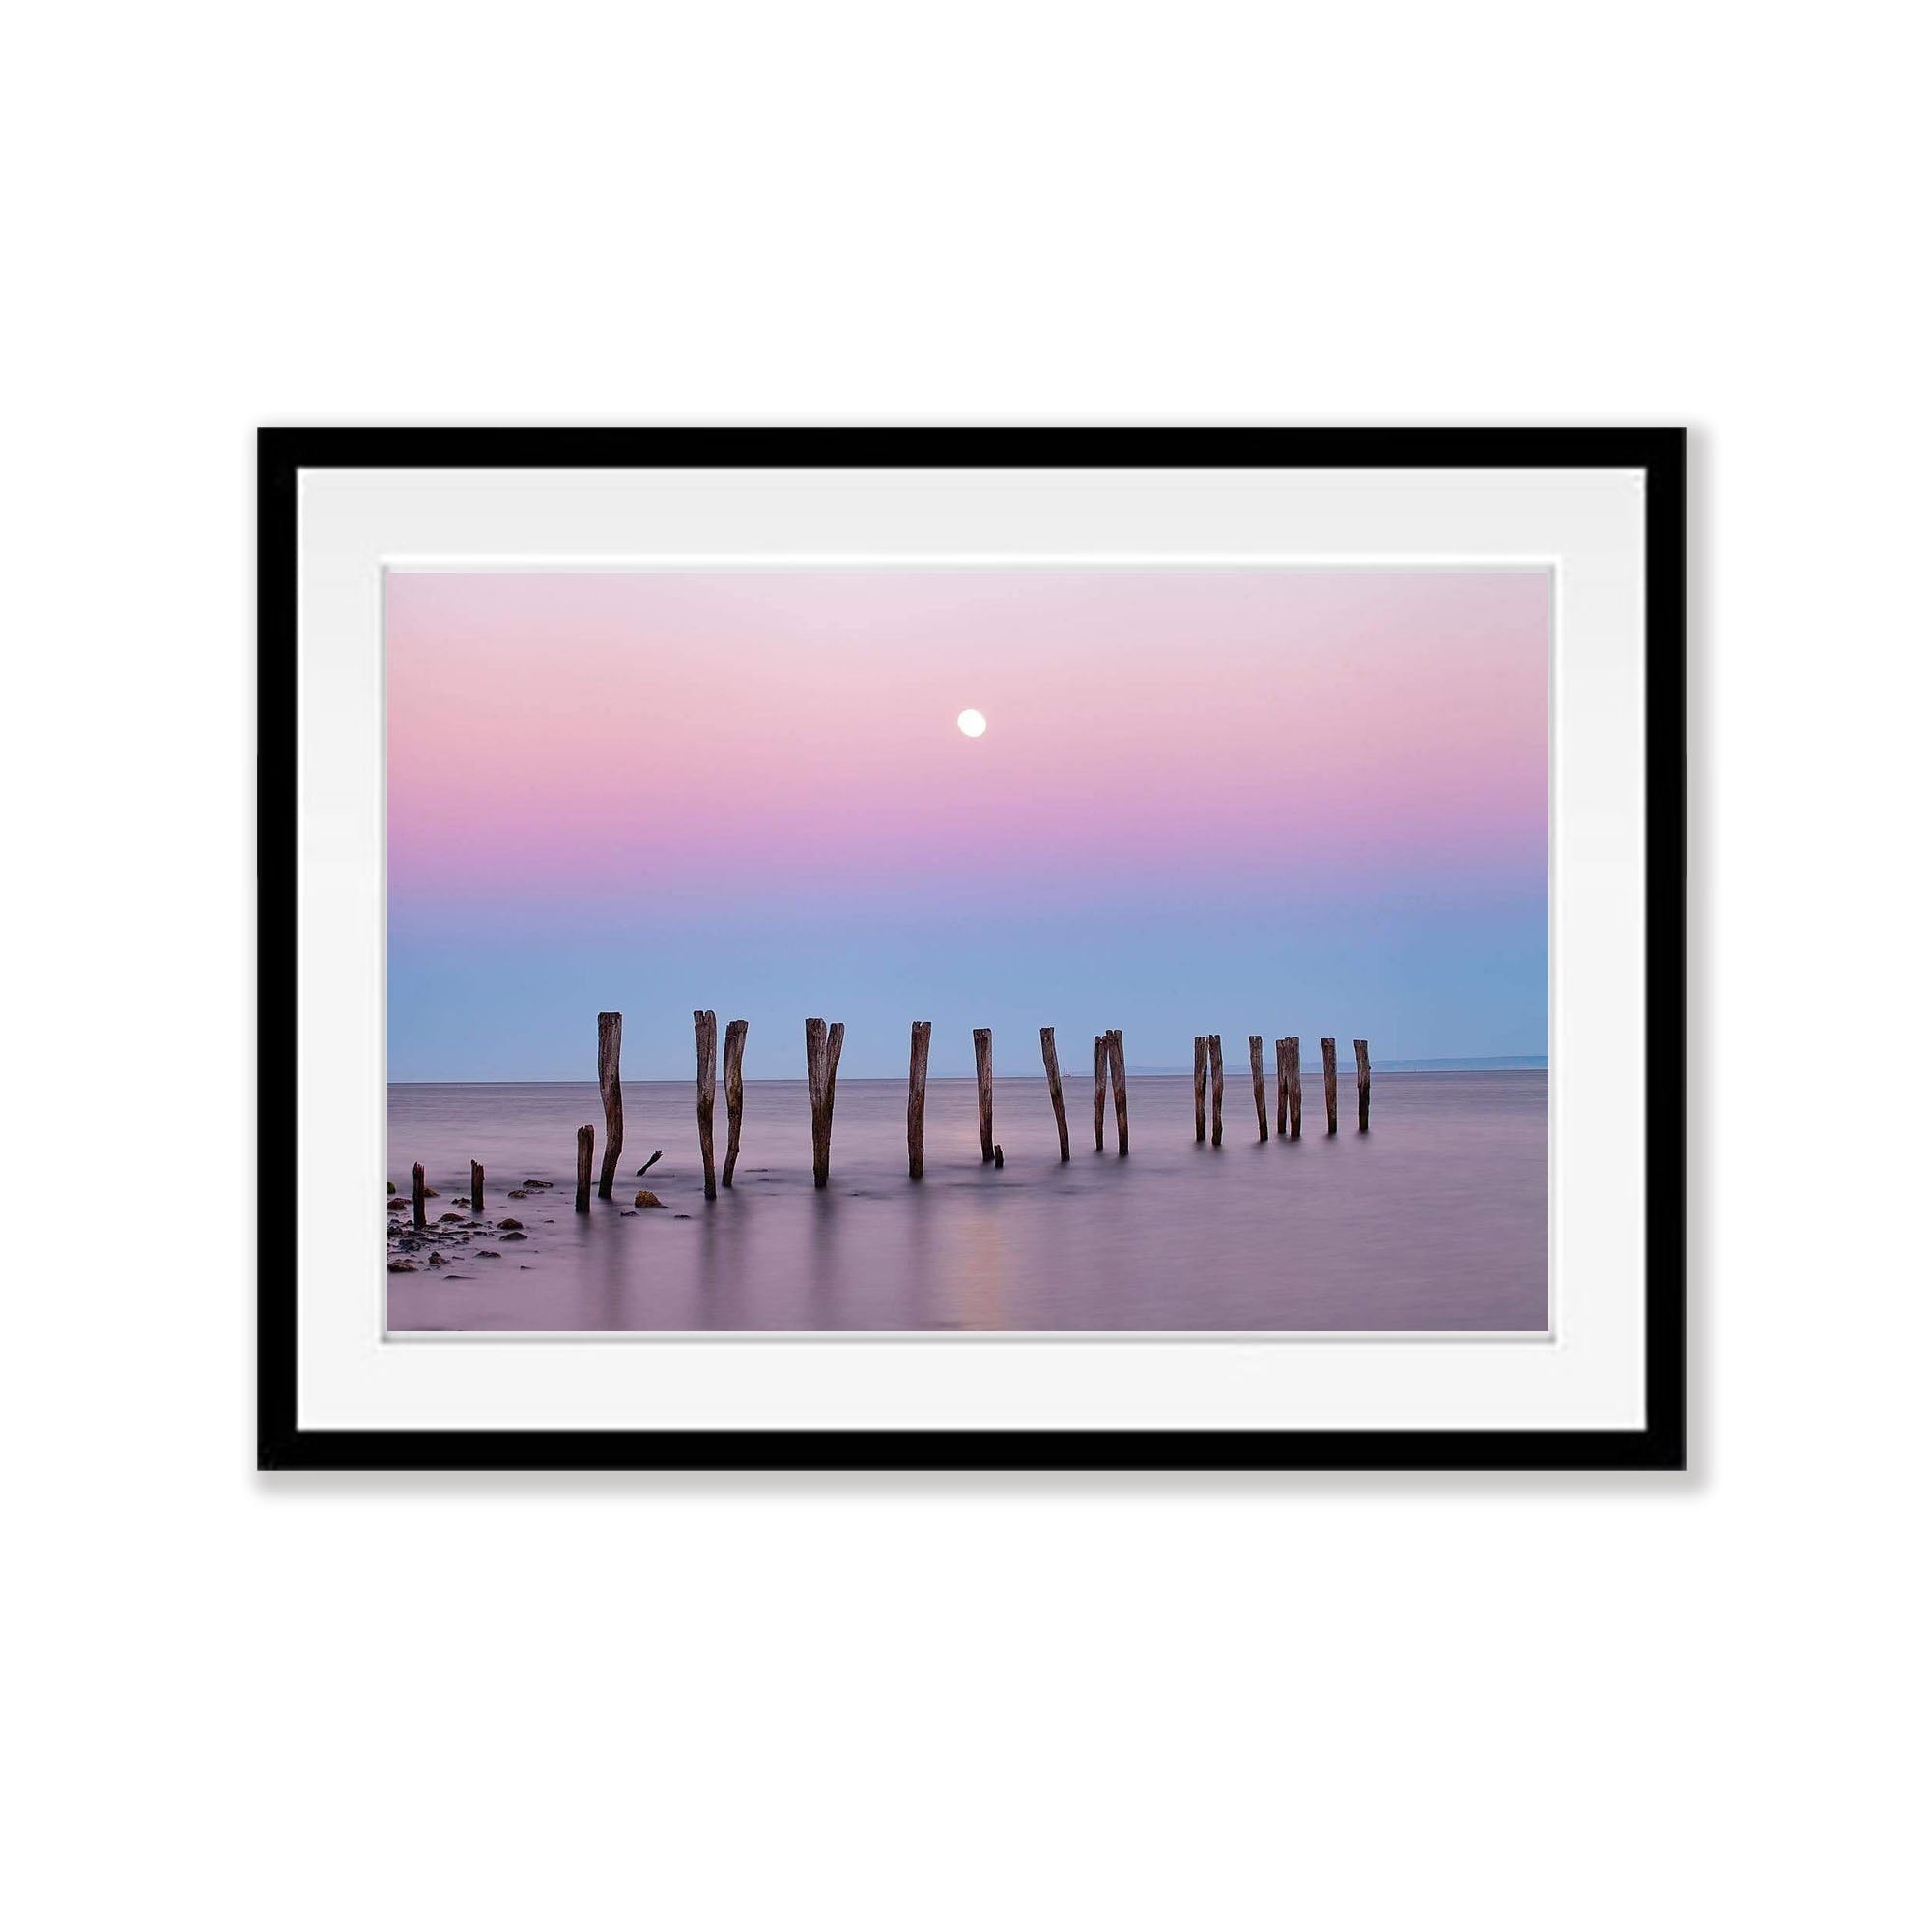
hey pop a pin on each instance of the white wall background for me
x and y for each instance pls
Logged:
(1335, 1703)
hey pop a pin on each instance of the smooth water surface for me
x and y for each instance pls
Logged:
(1435, 1219)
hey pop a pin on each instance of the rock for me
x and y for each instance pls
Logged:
(647, 1198)
(435, 1261)
(392, 1187)
(402, 1268)
(509, 1221)
(539, 1183)
(680, 1217)
(432, 1194)
(399, 1206)
(520, 1194)
(515, 1238)
(488, 1255)
(452, 1217)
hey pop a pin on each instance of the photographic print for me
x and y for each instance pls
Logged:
(952, 949)
(989, 950)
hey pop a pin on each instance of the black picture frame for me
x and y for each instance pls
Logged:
(1660, 1444)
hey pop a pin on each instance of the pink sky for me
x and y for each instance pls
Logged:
(715, 735)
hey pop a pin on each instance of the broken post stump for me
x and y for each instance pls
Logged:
(586, 1146)
(475, 1187)
(1199, 1086)
(1295, 1086)
(921, 1047)
(734, 1092)
(416, 1196)
(982, 1069)
(1328, 1079)
(822, 1047)
(1099, 1092)
(1117, 1057)
(610, 1040)
(1261, 1082)
(705, 1025)
(1051, 1056)
(1362, 1085)
(1214, 1072)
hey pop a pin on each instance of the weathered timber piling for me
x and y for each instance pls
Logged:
(1199, 1086)
(586, 1146)
(705, 1025)
(416, 1196)
(734, 1092)
(610, 1040)
(1215, 1077)
(823, 1048)
(1051, 1056)
(922, 1046)
(1328, 1079)
(982, 1069)
(475, 1187)
(1099, 1092)
(1261, 1082)
(1295, 1086)
(1280, 1088)
(1117, 1058)
(999, 1156)
(1362, 1085)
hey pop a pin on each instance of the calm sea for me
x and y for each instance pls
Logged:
(1437, 1219)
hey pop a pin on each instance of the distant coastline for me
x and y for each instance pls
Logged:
(1505, 1063)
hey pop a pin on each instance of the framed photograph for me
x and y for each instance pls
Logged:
(1000, 948)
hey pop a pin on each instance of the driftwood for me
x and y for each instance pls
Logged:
(823, 1048)
(1117, 1057)
(652, 1162)
(922, 1046)
(1328, 1079)
(705, 1025)
(1362, 1085)
(609, 1041)
(1051, 1056)
(1099, 1092)
(416, 1196)
(1199, 1086)
(1215, 1071)
(734, 1091)
(1295, 1086)
(982, 1069)
(1261, 1082)
(475, 1187)
(586, 1146)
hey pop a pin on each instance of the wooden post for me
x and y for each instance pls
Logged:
(1199, 1086)
(922, 1046)
(1215, 1071)
(1295, 1086)
(1328, 1079)
(734, 1091)
(416, 1196)
(1362, 1085)
(1261, 1082)
(586, 1146)
(1116, 1055)
(705, 1025)
(1099, 1092)
(983, 1068)
(610, 1040)
(1281, 1089)
(1050, 1054)
(823, 1048)
(475, 1187)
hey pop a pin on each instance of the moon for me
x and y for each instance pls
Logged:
(972, 724)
